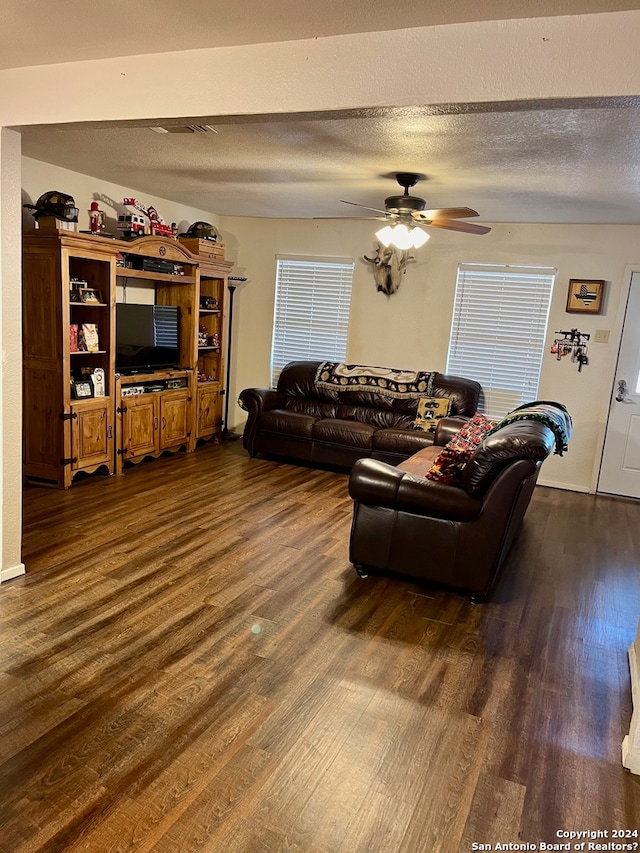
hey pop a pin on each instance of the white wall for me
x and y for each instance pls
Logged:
(560, 57)
(411, 328)
(39, 177)
(11, 363)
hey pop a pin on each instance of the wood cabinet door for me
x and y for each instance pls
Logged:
(175, 421)
(91, 434)
(209, 411)
(140, 425)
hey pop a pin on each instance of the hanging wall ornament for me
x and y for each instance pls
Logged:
(573, 343)
(389, 265)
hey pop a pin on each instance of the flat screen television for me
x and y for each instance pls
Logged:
(147, 337)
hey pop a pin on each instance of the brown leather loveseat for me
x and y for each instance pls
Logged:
(457, 534)
(309, 419)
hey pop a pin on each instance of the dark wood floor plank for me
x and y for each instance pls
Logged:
(204, 671)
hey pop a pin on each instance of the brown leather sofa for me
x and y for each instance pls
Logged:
(302, 421)
(453, 535)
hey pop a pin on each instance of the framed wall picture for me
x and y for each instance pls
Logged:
(585, 296)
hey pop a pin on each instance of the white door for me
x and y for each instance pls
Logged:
(620, 469)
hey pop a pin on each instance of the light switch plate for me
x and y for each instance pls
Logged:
(601, 336)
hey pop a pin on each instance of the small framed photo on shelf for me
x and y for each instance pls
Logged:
(89, 335)
(585, 296)
(90, 296)
(80, 389)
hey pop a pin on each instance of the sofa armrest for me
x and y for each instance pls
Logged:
(446, 428)
(256, 400)
(378, 484)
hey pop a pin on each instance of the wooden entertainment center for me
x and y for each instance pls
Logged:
(75, 423)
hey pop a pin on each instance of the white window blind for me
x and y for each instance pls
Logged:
(311, 318)
(498, 332)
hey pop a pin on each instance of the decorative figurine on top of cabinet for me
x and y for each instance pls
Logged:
(96, 218)
(146, 220)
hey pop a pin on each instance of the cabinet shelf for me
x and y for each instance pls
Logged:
(210, 311)
(88, 305)
(123, 272)
(208, 349)
(88, 352)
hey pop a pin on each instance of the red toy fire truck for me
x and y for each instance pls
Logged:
(146, 221)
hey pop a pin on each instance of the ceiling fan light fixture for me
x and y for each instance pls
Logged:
(385, 235)
(419, 236)
(401, 237)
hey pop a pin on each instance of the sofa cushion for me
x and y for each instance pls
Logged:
(553, 415)
(379, 418)
(404, 442)
(346, 433)
(420, 462)
(287, 422)
(520, 439)
(308, 406)
(430, 410)
(450, 462)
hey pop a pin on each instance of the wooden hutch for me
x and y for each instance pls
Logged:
(72, 425)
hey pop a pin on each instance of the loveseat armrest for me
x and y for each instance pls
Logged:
(446, 428)
(378, 484)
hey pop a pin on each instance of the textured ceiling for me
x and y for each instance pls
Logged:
(535, 162)
(511, 165)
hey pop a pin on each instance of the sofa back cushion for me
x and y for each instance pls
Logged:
(298, 381)
(381, 417)
(520, 439)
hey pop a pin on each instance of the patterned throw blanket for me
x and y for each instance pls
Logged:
(336, 376)
(553, 415)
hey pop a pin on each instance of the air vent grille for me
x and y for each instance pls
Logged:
(188, 128)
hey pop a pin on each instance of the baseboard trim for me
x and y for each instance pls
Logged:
(12, 572)
(570, 487)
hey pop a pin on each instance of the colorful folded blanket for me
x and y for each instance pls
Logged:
(337, 376)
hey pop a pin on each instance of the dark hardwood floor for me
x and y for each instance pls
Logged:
(191, 664)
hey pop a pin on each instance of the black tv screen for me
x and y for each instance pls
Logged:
(147, 337)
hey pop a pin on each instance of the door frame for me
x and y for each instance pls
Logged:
(612, 368)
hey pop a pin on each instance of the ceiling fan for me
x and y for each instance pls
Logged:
(405, 212)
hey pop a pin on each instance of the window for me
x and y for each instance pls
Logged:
(498, 332)
(311, 318)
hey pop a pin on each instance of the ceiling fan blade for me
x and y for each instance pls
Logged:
(452, 225)
(445, 213)
(355, 203)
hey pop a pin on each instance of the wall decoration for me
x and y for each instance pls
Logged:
(572, 343)
(389, 265)
(585, 296)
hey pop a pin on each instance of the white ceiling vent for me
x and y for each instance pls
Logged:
(188, 128)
